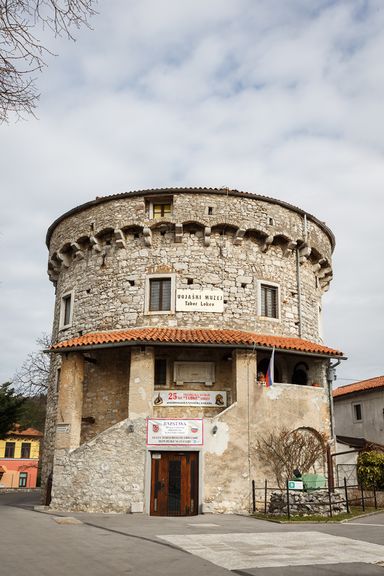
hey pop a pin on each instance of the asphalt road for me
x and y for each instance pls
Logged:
(38, 544)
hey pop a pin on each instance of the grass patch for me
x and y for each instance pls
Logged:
(354, 512)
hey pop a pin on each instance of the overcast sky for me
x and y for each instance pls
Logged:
(279, 97)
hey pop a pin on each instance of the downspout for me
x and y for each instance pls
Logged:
(298, 282)
(331, 376)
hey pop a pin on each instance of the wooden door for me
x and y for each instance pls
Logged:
(174, 483)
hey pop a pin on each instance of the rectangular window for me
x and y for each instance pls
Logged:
(162, 210)
(357, 412)
(160, 294)
(25, 449)
(269, 301)
(160, 372)
(9, 450)
(23, 477)
(66, 310)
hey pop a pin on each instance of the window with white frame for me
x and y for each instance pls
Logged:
(160, 294)
(66, 310)
(268, 300)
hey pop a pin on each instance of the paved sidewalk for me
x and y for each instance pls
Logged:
(36, 544)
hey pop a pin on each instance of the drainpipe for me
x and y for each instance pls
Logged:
(298, 281)
(331, 376)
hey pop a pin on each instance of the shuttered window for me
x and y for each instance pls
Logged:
(159, 294)
(269, 301)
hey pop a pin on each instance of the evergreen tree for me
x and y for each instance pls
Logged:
(11, 406)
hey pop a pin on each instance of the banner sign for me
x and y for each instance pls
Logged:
(199, 300)
(190, 398)
(174, 432)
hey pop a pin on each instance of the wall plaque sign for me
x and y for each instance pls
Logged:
(190, 398)
(174, 432)
(199, 300)
(63, 428)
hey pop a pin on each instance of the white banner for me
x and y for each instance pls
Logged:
(190, 398)
(163, 432)
(200, 300)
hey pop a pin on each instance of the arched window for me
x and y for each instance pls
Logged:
(300, 374)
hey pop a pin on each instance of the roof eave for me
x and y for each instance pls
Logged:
(63, 350)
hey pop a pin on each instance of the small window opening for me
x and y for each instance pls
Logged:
(300, 374)
(243, 285)
(131, 282)
(225, 301)
(357, 412)
(160, 371)
(271, 221)
(23, 477)
(189, 281)
(163, 232)
(210, 210)
(88, 290)
(159, 294)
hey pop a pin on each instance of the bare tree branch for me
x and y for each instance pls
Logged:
(281, 451)
(22, 53)
(32, 378)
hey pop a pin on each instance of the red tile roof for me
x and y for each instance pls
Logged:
(195, 336)
(27, 432)
(362, 386)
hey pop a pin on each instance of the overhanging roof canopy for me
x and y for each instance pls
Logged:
(198, 337)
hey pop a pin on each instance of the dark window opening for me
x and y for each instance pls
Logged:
(160, 294)
(263, 365)
(25, 449)
(269, 301)
(243, 285)
(160, 372)
(131, 282)
(300, 374)
(357, 412)
(189, 281)
(9, 450)
(210, 210)
(67, 305)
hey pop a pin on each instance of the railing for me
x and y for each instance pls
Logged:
(353, 496)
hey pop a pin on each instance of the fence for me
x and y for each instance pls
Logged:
(351, 496)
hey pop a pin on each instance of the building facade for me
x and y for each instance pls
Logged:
(169, 304)
(359, 410)
(19, 458)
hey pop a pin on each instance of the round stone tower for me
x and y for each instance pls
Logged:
(187, 325)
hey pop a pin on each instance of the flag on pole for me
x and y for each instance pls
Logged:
(270, 372)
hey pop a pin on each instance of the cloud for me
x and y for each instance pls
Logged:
(279, 98)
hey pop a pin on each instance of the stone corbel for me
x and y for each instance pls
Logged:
(267, 242)
(318, 266)
(120, 238)
(178, 233)
(289, 247)
(207, 236)
(147, 233)
(96, 246)
(324, 272)
(64, 259)
(53, 272)
(238, 240)
(304, 252)
(78, 251)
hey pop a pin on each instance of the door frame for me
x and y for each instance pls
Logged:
(148, 471)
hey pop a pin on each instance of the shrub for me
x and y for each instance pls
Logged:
(370, 469)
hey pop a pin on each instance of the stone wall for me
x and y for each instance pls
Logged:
(232, 249)
(105, 474)
(307, 503)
